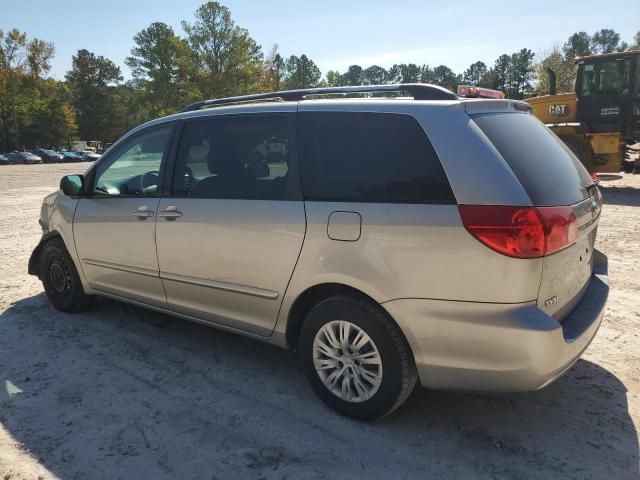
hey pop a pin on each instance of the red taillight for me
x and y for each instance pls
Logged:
(521, 232)
(561, 228)
(513, 231)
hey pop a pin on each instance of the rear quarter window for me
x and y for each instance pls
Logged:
(370, 157)
(544, 165)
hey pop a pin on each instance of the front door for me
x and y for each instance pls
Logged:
(230, 233)
(114, 227)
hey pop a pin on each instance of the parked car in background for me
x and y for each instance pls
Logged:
(89, 156)
(48, 156)
(71, 157)
(4, 160)
(23, 157)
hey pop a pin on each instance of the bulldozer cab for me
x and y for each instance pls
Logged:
(608, 93)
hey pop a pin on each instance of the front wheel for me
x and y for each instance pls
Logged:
(355, 358)
(60, 278)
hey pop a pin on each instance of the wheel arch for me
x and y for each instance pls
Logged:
(34, 260)
(313, 295)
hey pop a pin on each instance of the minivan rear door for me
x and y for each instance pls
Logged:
(565, 274)
(552, 176)
(230, 231)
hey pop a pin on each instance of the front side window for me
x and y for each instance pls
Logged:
(134, 168)
(370, 157)
(236, 158)
(588, 81)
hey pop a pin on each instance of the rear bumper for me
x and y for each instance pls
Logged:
(498, 347)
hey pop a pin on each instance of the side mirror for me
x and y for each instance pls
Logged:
(72, 185)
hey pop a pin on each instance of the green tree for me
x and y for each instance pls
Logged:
(521, 73)
(445, 77)
(228, 60)
(23, 96)
(130, 106)
(334, 79)
(12, 69)
(274, 70)
(92, 81)
(489, 79)
(606, 41)
(426, 74)
(577, 45)
(51, 120)
(354, 76)
(39, 55)
(301, 72)
(12, 46)
(474, 74)
(404, 73)
(636, 42)
(155, 65)
(501, 73)
(562, 65)
(375, 75)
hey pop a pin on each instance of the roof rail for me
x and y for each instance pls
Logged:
(419, 91)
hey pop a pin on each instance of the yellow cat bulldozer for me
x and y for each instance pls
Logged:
(601, 119)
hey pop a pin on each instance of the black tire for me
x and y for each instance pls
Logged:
(399, 373)
(60, 278)
(628, 167)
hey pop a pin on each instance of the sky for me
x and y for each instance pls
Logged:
(334, 34)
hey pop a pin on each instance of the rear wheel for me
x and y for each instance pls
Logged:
(355, 358)
(60, 278)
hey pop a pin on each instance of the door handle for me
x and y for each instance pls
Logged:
(143, 212)
(170, 213)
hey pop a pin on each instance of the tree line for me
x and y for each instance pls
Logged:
(214, 57)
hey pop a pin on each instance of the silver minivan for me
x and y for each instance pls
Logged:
(385, 233)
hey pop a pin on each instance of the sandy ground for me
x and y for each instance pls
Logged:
(121, 392)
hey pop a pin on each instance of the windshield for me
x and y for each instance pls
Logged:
(606, 78)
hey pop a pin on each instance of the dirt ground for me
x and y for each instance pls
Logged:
(121, 392)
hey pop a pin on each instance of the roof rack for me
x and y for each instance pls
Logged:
(419, 91)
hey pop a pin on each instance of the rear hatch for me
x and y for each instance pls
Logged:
(552, 177)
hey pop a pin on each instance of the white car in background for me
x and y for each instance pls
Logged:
(89, 156)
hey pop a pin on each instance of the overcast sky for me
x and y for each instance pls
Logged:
(335, 34)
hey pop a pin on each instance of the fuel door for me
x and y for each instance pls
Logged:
(344, 226)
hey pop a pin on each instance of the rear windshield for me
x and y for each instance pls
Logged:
(546, 168)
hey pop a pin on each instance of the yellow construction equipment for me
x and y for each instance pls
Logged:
(602, 117)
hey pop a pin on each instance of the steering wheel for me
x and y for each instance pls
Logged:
(148, 180)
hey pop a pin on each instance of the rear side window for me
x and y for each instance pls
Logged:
(236, 158)
(544, 165)
(370, 157)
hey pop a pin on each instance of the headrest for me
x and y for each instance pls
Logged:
(223, 160)
(258, 169)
